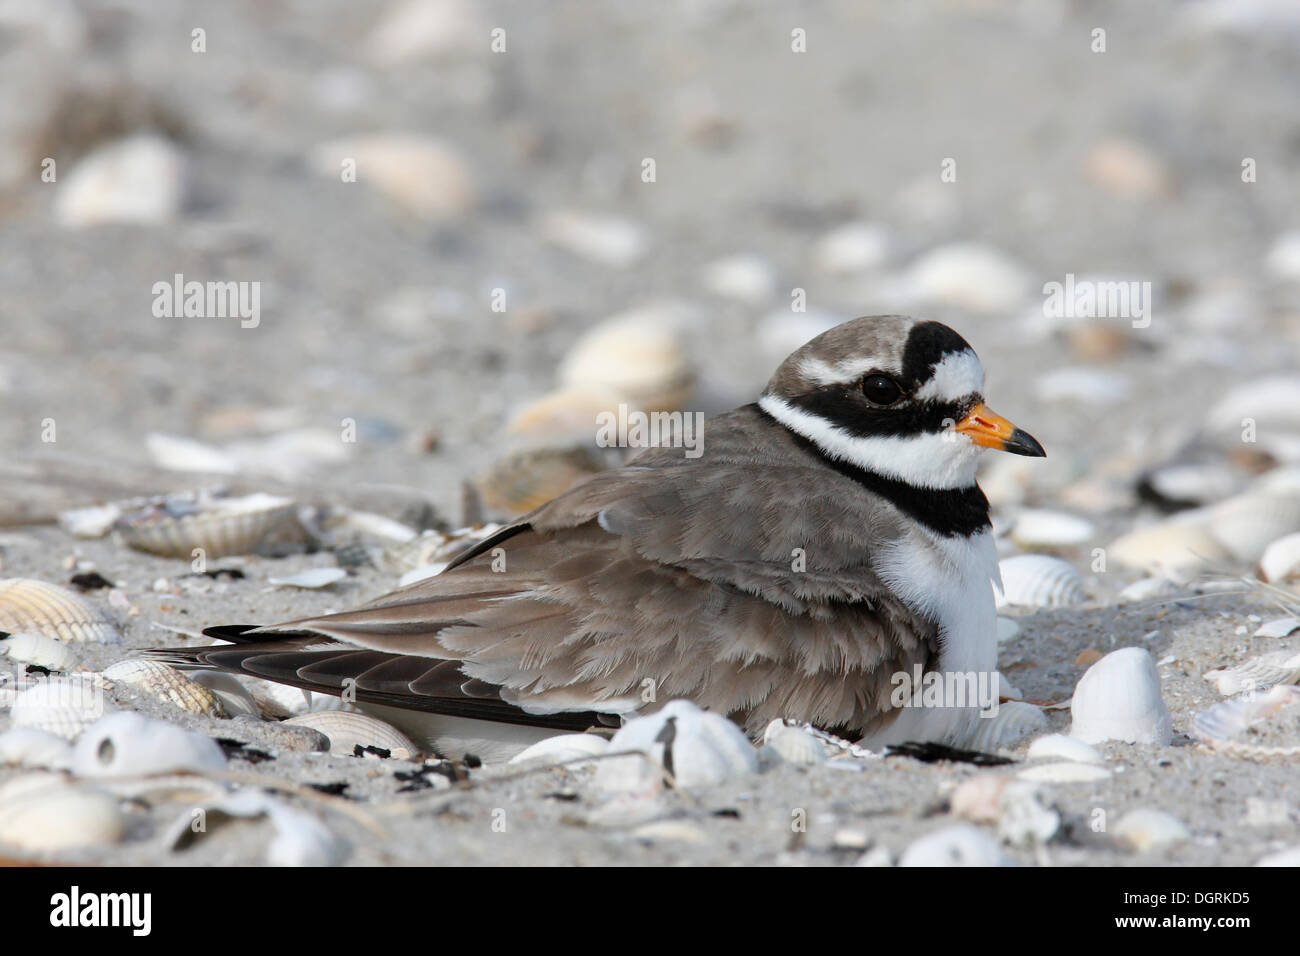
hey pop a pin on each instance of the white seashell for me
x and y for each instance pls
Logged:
(1288, 857)
(1269, 402)
(745, 278)
(969, 275)
(276, 701)
(562, 748)
(1098, 387)
(1197, 482)
(300, 838)
(853, 247)
(699, 749)
(63, 706)
(30, 747)
(957, 845)
(59, 816)
(793, 744)
(139, 179)
(176, 453)
(218, 527)
(1247, 524)
(638, 354)
(1144, 829)
(1284, 255)
(39, 650)
(1281, 559)
(1128, 170)
(1023, 820)
(1061, 747)
(1050, 529)
(129, 745)
(423, 177)
(1278, 627)
(1145, 590)
(165, 683)
(1257, 673)
(235, 698)
(33, 606)
(604, 240)
(348, 730)
(1036, 580)
(1118, 698)
(781, 332)
(1221, 724)
(1177, 548)
(420, 29)
(311, 578)
(1064, 772)
(977, 799)
(1013, 722)
(92, 522)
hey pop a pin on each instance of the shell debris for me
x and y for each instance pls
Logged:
(129, 745)
(1037, 580)
(63, 706)
(698, 748)
(1257, 673)
(39, 650)
(218, 527)
(47, 814)
(348, 730)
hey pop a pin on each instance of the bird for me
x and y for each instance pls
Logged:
(829, 544)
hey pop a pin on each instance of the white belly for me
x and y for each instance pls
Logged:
(949, 580)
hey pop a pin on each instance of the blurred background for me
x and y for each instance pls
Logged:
(438, 200)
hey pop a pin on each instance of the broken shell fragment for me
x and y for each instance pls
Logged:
(39, 650)
(1176, 549)
(311, 578)
(1281, 559)
(1145, 828)
(1258, 673)
(300, 838)
(1061, 747)
(1118, 698)
(1222, 725)
(696, 747)
(216, 527)
(1014, 721)
(1063, 771)
(30, 606)
(1036, 580)
(349, 730)
(1036, 528)
(129, 745)
(165, 683)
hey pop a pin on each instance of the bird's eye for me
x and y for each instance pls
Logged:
(881, 390)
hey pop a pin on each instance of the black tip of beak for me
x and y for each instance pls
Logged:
(1023, 443)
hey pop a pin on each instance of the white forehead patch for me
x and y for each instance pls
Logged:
(957, 375)
(837, 373)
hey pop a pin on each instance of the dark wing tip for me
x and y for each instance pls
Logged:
(234, 633)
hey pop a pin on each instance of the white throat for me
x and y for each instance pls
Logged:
(940, 460)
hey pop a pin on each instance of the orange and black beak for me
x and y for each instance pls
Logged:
(984, 427)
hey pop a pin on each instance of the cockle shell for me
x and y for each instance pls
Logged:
(218, 527)
(1281, 559)
(1038, 528)
(698, 748)
(1176, 548)
(1247, 524)
(1221, 725)
(28, 605)
(1014, 721)
(165, 683)
(39, 650)
(637, 354)
(348, 730)
(1036, 580)
(562, 748)
(1118, 698)
(793, 745)
(524, 478)
(63, 706)
(235, 698)
(1257, 673)
(433, 548)
(958, 845)
(55, 815)
(128, 745)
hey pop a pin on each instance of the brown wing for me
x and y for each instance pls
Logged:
(671, 577)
